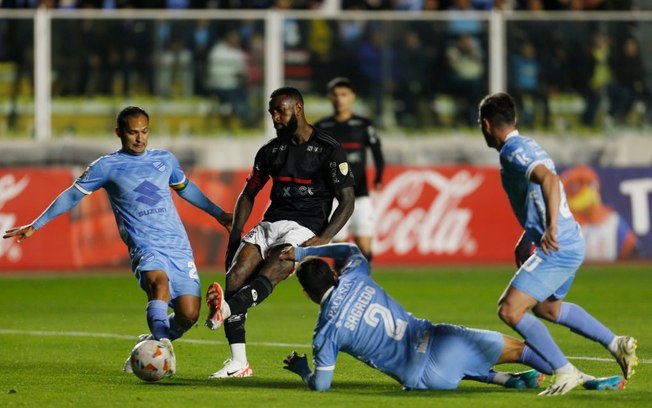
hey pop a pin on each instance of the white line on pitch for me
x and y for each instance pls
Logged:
(132, 337)
(212, 342)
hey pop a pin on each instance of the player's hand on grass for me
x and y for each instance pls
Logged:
(287, 254)
(297, 364)
(316, 241)
(226, 220)
(22, 232)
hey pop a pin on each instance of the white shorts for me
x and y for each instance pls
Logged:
(362, 221)
(267, 235)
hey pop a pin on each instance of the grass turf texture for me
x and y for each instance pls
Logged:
(75, 369)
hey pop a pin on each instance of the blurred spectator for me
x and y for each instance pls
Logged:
(19, 34)
(227, 77)
(132, 54)
(597, 73)
(526, 85)
(256, 84)
(321, 40)
(628, 80)
(461, 22)
(68, 60)
(466, 76)
(375, 63)
(201, 38)
(175, 61)
(367, 4)
(95, 77)
(413, 88)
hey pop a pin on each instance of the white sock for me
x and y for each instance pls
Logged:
(568, 368)
(226, 310)
(501, 378)
(239, 352)
(613, 346)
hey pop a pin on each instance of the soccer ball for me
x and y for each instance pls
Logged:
(151, 360)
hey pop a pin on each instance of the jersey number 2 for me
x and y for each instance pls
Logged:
(376, 312)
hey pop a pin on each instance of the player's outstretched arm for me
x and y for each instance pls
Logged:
(341, 251)
(317, 381)
(64, 202)
(191, 193)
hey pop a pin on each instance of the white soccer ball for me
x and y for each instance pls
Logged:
(151, 360)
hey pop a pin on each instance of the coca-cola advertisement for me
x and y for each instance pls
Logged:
(430, 215)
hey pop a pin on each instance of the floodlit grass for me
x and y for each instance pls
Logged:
(63, 340)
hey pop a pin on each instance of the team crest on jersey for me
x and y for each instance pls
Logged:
(160, 166)
(344, 168)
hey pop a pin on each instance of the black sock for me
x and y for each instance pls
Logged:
(250, 295)
(234, 328)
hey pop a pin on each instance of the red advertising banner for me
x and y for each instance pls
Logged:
(426, 215)
(456, 214)
(24, 194)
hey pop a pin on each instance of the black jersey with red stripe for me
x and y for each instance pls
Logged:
(356, 135)
(304, 177)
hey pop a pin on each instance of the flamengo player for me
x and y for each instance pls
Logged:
(356, 134)
(308, 169)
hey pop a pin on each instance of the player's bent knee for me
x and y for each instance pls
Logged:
(509, 315)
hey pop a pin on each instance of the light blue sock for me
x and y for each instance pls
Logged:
(176, 330)
(579, 321)
(531, 358)
(157, 319)
(538, 337)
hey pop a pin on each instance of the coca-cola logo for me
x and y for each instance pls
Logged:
(10, 188)
(420, 210)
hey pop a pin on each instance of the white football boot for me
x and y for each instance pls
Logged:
(233, 369)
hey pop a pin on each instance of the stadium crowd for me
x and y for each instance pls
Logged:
(412, 64)
(428, 5)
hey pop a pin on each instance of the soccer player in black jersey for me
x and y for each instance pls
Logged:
(356, 134)
(308, 169)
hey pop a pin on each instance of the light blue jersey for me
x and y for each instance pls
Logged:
(518, 158)
(138, 188)
(359, 318)
(541, 276)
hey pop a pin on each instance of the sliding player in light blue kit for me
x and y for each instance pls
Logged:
(538, 200)
(138, 181)
(358, 317)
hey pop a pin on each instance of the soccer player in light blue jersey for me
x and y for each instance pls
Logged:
(545, 276)
(359, 318)
(138, 182)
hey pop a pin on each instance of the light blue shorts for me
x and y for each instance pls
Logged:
(457, 352)
(550, 276)
(179, 266)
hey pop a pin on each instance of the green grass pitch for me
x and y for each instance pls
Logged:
(63, 340)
